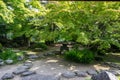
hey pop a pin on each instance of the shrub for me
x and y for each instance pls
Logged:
(8, 54)
(79, 56)
(87, 56)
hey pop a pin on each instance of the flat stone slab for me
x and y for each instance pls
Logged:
(24, 67)
(41, 77)
(20, 71)
(7, 76)
(68, 74)
(28, 73)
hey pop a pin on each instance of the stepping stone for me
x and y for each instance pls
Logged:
(7, 76)
(41, 77)
(20, 71)
(29, 64)
(24, 67)
(104, 76)
(28, 73)
(81, 74)
(9, 61)
(92, 72)
(68, 74)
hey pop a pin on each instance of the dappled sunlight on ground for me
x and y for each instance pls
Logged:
(101, 67)
(51, 61)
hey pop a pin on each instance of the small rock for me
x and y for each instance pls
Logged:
(20, 71)
(33, 56)
(7, 76)
(69, 74)
(28, 73)
(2, 63)
(81, 74)
(9, 61)
(104, 76)
(92, 72)
(20, 58)
(29, 64)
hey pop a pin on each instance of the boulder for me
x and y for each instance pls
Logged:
(104, 76)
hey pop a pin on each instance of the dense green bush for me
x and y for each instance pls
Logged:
(8, 54)
(80, 56)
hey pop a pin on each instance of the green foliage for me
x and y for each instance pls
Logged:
(8, 54)
(89, 23)
(80, 56)
(94, 23)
